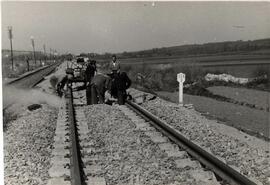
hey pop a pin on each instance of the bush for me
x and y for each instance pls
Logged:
(161, 79)
(261, 71)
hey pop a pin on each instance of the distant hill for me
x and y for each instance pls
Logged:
(256, 47)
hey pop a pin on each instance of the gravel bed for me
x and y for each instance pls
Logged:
(249, 160)
(129, 156)
(28, 145)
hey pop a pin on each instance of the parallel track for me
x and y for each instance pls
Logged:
(30, 79)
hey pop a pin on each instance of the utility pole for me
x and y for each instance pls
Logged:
(44, 48)
(27, 62)
(11, 50)
(33, 45)
(55, 54)
(50, 53)
(40, 57)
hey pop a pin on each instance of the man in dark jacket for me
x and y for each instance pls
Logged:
(101, 83)
(90, 71)
(120, 84)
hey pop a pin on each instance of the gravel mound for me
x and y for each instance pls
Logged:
(27, 147)
(128, 155)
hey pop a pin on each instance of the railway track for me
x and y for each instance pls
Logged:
(73, 130)
(224, 172)
(31, 79)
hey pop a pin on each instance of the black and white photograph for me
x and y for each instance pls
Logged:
(135, 93)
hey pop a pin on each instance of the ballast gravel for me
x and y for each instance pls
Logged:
(244, 153)
(126, 155)
(27, 147)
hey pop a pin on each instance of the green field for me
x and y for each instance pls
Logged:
(251, 96)
(198, 59)
(250, 120)
(237, 65)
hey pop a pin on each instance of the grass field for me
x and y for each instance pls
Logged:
(255, 97)
(162, 77)
(198, 59)
(237, 65)
(250, 120)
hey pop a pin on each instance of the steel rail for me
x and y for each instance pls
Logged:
(26, 75)
(75, 160)
(211, 162)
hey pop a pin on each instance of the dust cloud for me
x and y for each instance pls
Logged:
(26, 97)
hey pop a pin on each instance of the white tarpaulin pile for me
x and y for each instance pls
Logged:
(226, 78)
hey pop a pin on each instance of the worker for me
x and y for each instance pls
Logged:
(119, 84)
(90, 72)
(114, 66)
(122, 84)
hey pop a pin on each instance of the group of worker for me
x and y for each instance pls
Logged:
(113, 84)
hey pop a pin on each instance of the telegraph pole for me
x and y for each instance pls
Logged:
(50, 53)
(11, 50)
(55, 54)
(44, 48)
(33, 45)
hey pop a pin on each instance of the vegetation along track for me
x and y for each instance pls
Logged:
(74, 130)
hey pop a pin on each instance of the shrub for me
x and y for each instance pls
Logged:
(161, 79)
(261, 71)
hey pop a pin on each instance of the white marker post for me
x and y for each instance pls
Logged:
(181, 78)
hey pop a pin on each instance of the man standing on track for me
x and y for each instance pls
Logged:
(120, 82)
(90, 71)
(114, 66)
(115, 72)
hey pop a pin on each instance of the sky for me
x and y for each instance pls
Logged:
(115, 27)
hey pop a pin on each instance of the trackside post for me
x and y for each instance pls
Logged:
(181, 79)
